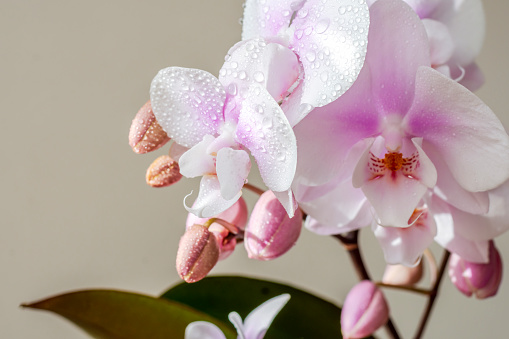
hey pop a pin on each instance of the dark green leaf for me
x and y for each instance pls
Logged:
(305, 315)
(115, 314)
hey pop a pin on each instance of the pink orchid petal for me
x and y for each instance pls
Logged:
(326, 136)
(331, 48)
(265, 131)
(287, 199)
(267, 19)
(188, 103)
(396, 49)
(232, 168)
(346, 215)
(405, 246)
(466, 23)
(426, 172)
(203, 330)
(450, 191)
(176, 151)
(272, 65)
(466, 133)
(423, 8)
(469, 76)
(258, 321)
(197, 161)
(210, 202)
(448, 237)
(440, 41)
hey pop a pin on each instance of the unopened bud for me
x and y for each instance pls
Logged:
(197, 254)
(164, 171)
(364, 311)
(403, 275)
(235, 215)
(480, 279)
(146, 135)
(270, 232)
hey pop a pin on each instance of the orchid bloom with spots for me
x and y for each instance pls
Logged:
(456, 31)
(307, 53)
(220, 124)
(404, 135)
(254, 327)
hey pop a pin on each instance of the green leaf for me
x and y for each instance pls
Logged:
(305, 315)
(114, 314)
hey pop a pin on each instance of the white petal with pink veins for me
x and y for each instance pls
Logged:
(287, 199)
(396, 49)
(405, 245)
(188, 103)
(272, 65)
(466, 133)
(448, 236)
(210, 201)
(440, 41)
(232, 168)
(265, 131)
(196, 161)
(258, 321)
(331, 47)
(267, 18)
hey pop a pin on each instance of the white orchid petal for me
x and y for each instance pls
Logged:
(265, 131)
(448, 222)
(331, 48)
(287, 199)
(232, 168)
(203, 330)
(196, 161)
(440, 41)
(405, 246)
(210, 202)
(176, 151)
(258, 321)
(271, 65)
(188, 103)
(465, 131)
(267, 19)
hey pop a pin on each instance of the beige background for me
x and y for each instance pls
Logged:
(75, 209)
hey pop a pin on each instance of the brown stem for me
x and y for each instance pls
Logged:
(432, 296)
(351, 244)
(404, 288)
(254, 189)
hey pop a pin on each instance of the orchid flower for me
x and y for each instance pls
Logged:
(455, 30)
(220, 125)
(307, 53)
(401, 134)
(254, 327)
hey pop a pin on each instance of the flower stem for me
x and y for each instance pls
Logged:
(351, 244)
(432, 295)
(253, 189)
(404, 288)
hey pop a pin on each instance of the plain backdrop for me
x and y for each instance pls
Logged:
(75, 209)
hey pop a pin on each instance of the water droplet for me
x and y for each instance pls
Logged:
(232, 89)
(311, 56)
(324, 76)
(322, 25)
(258, 76)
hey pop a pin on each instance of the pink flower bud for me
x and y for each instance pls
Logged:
(402, 275)
(480, 279)
(197, 254)
(235, 215)
(364, 311)
(270, 232)
(164, 171)
(146, 135)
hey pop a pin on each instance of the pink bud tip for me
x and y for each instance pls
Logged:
(270, 232)
(364, 311)
(146, 135)
(402, 275)
(197, 254)
(164, 171)
(480, 279)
